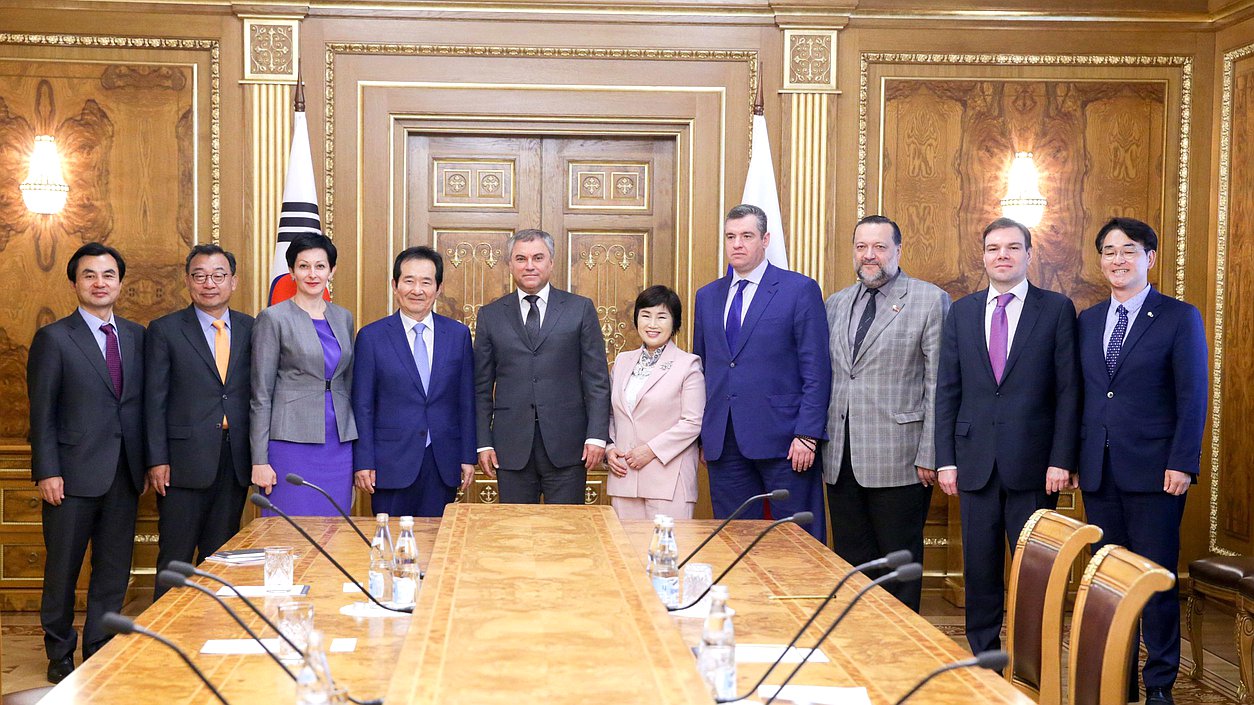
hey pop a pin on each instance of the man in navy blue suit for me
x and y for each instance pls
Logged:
(1007, 406)
(761, 332)
(1143, 357)
(414, 397)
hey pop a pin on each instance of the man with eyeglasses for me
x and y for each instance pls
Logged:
(196, 396)
(1143, 359)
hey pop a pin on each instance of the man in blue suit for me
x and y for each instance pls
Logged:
(1007, 404)
(414, 397)
(761, 332)
(1143, 356)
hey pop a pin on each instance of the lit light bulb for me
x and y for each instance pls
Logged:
(1023, 202)
(44, 190)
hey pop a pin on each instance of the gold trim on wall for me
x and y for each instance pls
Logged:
(271, 49)
(810, 60)
(1183, 63)
(215, 100)
(1221, 275)
(807, 183)
(270, 112)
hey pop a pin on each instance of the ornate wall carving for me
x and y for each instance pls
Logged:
(947, 151)
(272, 48)
(475, 271)
(810, 59)
(609, 268)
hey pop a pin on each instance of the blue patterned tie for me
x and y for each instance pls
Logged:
(1116, 340)
(420, 355)
(732, 327)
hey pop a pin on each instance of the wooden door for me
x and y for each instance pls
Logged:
(608, 202)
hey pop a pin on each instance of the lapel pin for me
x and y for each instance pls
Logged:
(1150, 314)
(896, 308)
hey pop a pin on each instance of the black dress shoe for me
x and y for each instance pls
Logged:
(1159, 696)
(60, 668)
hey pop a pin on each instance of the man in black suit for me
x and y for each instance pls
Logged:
(85, 379)
(1007, 406)
(542, 385)
(196, 396)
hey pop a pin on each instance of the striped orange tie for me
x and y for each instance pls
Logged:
(221, 353)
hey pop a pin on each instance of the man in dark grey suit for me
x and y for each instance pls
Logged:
(881, 462)
(541, 382)
(196, 394)
(85, 378)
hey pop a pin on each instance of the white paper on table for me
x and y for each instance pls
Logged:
(701, 610)
(260, 591)
(350, 587)
(369, 609)
(250, 646)
(817, 694)
(767, 653)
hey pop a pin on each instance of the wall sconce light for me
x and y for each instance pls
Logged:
(44, 190)
(1023, 202)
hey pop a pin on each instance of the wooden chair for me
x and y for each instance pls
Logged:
(1245, 641)
(1039, 575)
(1212, 580)
(1116, 585)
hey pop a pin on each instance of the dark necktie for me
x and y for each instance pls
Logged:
(999, 336)
(113, 358)
(1116, 340)
(532, 323)
(864, 323)
(732, 325)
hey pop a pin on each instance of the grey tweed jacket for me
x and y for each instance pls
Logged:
(887, 393)
(289, 378)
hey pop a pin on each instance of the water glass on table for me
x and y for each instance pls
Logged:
(697, 577)
(279, 568)
(296, 620)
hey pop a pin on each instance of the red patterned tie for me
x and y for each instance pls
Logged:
(113, 358)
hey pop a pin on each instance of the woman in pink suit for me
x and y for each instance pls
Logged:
(657, 395)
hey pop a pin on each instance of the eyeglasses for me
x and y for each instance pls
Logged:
(1128, 252)
(216, 277)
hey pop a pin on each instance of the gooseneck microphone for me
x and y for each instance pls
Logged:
(892, 561)
(187, 570)
(800, 519)
(117, 624)
(264, 503)
(994, 660)
(906, 573)
(294, 479)
(774, 495)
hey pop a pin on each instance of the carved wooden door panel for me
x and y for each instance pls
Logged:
(609, 204)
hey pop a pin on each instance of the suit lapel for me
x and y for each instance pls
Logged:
(441, 354)
(761, 299)
(132, 362)
(721, 288)
(339, 327)
(975, 333)
(882, 320)
(196, 338)
(239, 344)
(554, 309)
(840, 324)
(400, 344)
(660, 369)
(1144, 318)
(1027, 320)
(513, 313)
(85, 339)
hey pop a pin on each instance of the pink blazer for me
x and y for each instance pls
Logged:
(667, 417)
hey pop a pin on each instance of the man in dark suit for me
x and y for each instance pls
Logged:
(1007, 401)
(85, 378)
(1143, 357)
(542, 385)
(196, 396)
(761, 332)
(414, 397)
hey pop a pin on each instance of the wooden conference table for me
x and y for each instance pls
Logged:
(542, 604)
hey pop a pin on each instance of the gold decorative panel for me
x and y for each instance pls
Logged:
(810, 60)
(606, 186)
(467, 184)
(272, 48)
(475, 271)
(609, 267)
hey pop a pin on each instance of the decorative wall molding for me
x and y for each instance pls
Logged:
(271, 49)
(810, 60)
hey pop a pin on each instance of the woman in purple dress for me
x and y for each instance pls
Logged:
(302, 419)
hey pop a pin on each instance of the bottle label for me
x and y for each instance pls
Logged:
(723, 680)
(404, 590)
(667, 589)
(376, 586)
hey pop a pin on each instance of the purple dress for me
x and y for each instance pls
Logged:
(328, 465)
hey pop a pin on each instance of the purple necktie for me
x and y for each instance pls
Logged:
(732, 325)
(113, 359)
(997, 334)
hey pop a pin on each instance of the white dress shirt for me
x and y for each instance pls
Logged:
(94, 324)
(428, 335)
(1014, 310)
(1133, 305)
(754, 278)
(542, 303)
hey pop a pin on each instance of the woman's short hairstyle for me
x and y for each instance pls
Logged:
(659, 295)
(310, 241)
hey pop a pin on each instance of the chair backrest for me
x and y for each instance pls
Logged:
(1116, 585)
(1039, 575)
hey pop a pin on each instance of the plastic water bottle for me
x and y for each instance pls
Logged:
(381, 557)
(655, 544)
(717, 661)
(666, 567)
(313, 683)
(407, 577)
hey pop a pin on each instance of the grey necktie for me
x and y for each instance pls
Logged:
(533, 318)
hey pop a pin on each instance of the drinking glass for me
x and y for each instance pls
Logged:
(279, 568)
(697, 577)
(296, 620)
